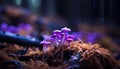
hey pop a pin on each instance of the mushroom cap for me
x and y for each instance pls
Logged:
(56, 32)
(69, 40)
(70, 36)
(65, 29)
(44, 42)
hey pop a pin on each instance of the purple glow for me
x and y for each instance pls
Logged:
(62, 37)
(12, 29)
(92, 37)
(3, 26)
(24, 26)
(77, 35)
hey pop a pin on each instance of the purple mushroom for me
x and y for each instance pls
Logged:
(45, 45)
(65, 29)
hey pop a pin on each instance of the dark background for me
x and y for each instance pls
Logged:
(106, 12)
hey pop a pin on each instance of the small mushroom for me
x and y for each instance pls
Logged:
(65, 29)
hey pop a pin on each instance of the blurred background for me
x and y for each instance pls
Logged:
(94, 21)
